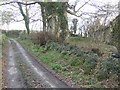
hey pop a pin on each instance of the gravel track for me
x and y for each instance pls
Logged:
(13, 75)
(23, 70)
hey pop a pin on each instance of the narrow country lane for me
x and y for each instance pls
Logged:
(23, 70)
(13, 76)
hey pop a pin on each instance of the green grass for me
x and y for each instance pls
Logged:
(3, 39)
(88, 44)
(62, 63)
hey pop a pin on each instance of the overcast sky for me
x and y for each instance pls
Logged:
(86, 8)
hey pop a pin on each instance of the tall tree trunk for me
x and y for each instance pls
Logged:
(63, 23)
(43, 16)
(27, 20)
(25, 16)
(51, 24)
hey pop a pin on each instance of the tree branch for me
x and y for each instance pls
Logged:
(17, 20)
(73, 13)
(19, 3)
(83, 5)
(33, 20)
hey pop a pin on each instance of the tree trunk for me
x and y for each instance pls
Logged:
(25, 16)
(44, 17)
(51, 25)
(63, 24)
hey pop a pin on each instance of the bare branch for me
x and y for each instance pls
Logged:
(33, 15)
(73, 13)
(17, 20)
(19, 3)
(7, 3)
(83, 5)
(33, 20)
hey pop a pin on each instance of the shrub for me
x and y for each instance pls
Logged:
(89, 63)
(85, 58)
(2, 39)
(108, 67)
(97, 51)
(79, 52)
(69, 47)
(77, 62)
(50, 45)
(41, 37)
(66, 49)
(12, 33)
(25, 36)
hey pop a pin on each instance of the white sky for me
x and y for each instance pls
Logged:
(87, 8)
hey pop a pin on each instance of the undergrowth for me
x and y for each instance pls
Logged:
(84, 67)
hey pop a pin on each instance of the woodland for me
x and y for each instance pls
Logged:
(88, 59)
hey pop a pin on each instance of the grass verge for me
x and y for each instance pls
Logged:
(73, 73)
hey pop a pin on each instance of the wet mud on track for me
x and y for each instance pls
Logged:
(23, 70)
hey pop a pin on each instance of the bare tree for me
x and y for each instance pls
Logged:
(6, 17)
(25, 16)
(75, 25)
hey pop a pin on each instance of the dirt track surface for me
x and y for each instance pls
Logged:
(13, 76)
(23, 70)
